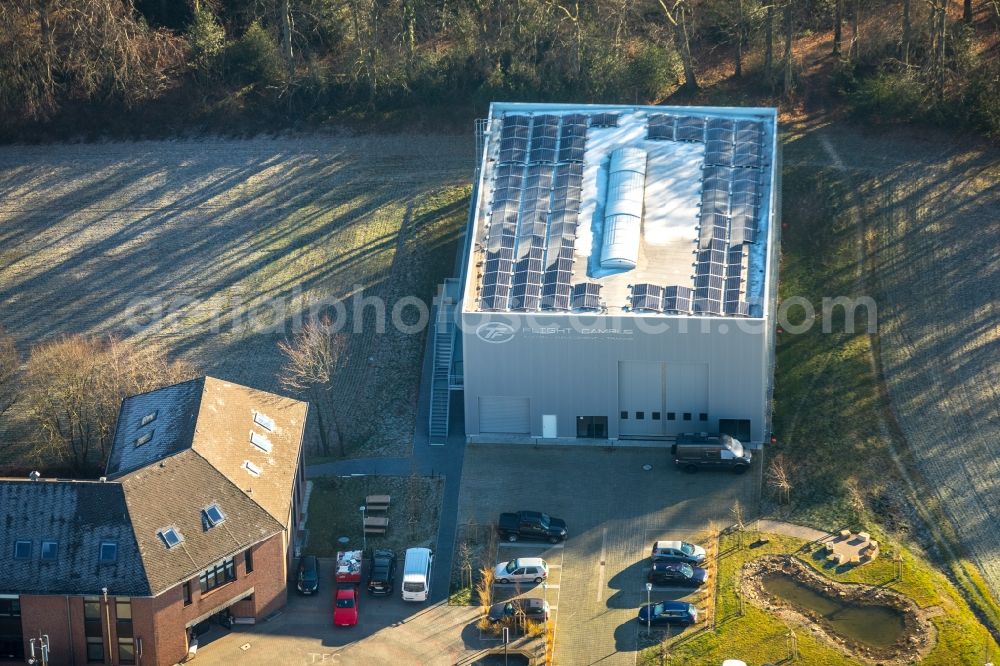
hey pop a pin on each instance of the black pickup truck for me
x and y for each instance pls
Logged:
(531, 525)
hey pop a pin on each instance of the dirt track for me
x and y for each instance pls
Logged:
(230, 241)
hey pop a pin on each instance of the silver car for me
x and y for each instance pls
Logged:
(522, 570)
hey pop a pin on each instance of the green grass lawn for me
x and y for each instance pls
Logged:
(759, 637)
(414, 513)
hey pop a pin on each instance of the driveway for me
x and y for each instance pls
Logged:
(389, 632)
(614, 510)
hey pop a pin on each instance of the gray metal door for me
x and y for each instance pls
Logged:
(687, 397)
(640, 398)
(504, 414)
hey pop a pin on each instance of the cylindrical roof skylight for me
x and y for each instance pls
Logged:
(623, 208)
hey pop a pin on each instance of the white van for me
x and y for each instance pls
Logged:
(417, 574)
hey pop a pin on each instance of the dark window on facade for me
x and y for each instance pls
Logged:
(22, 550)
(640, 415)
(248, 559)
(656, 416)
(11, 636)
(624, 416)
(687, 416)
(592, 427)
(703, 416)
(95, 648)
(93, 629)
(217, 576)
(187, 593)
(671, 416)
(126, 650)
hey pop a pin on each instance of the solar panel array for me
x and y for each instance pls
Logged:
(535, 206)
(534, 213)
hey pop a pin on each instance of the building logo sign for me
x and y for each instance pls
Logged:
(495, 332)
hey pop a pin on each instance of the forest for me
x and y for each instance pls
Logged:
(151, 67)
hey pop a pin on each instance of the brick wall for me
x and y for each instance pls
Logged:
(158, 623)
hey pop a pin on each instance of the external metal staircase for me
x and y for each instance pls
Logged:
(444, 347)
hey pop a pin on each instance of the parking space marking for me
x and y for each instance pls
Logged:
(525, 544)
(600, 569)
(530, 586)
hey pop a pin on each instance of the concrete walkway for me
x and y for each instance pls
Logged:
(792, 530)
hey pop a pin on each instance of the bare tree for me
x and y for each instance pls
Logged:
(838, 21)
(769, 45)
(787, 60)
(739, 520)
(73, 390)
(313, 360)
(677, 17)
(10, 363)
(779, 480)
(905, 47)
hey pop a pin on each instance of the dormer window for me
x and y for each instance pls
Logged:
(144, 438)
(22, 549)
(264, 421)
(171, 537)
(109, 552)
(251, 469)
(212, 515)
(50, 550)
(148, 418)
(261, 442)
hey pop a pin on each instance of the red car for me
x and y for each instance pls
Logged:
(345, 606)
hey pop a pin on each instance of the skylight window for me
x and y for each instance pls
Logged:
(50, 550)
(144, 438)
(171, 537)
(264, 421)
(252, 469)
(22, 550)
(213, 515)
(148, 418)
(261, 442)
(109, 552)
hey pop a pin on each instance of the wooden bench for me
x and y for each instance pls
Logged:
(376, 524)
(377, 503)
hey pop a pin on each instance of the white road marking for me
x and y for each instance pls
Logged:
(525, 544)
(600, 570)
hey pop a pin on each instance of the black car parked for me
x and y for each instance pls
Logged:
(382, 572)
(308, 575)
(531, 525)
(677, 573)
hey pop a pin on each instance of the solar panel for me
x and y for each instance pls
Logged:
(586, 296)
(604, 120)
(660, 127)
(676, 299)
(690, 128)
(513, 151)
(718, 152)
(647, 297)
(544, 134)
(707, 305)
(713, 226)
(747, 154)
(716, 177)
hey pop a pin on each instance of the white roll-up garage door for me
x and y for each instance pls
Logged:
(504, 414)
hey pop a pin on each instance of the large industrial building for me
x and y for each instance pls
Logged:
(621, 274)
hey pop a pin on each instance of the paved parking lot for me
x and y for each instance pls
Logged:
(614, 510)
(389, 632)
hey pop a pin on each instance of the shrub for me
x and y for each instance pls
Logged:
(888, 95)
(254, 58)
(206, 39)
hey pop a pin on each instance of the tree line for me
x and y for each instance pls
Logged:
(293, 59)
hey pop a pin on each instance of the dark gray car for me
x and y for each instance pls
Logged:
(533, 608)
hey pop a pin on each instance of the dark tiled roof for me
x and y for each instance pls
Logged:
(176, 408)
(196, 457)
(79, 515)
(172, 493)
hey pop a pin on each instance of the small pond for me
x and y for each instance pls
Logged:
(876, 626)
